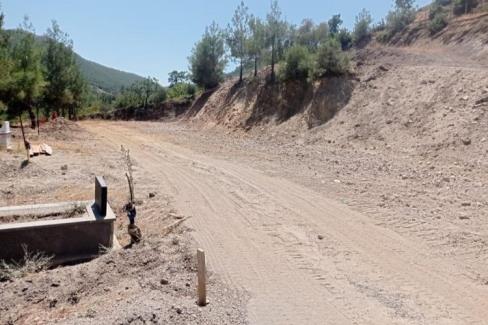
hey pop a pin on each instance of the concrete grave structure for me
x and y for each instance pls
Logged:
(68, 240)
(101, 195)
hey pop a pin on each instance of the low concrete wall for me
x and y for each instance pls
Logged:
(66, 239)
(40, 209)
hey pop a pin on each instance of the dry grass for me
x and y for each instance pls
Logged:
(31, 263)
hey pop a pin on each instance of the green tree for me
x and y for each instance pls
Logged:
(25, 86)
(5, 62)
(207, 61)
(404, 4)
(148, 87)
(276, 28)
(398, 19)
(65, 85)
(78, 89)
(141, 94)
(334, 24)
(305, 34)
(176, 77)
(310, 35)
(257, 41)
(321, 33)
(238, 35)
(362, 27)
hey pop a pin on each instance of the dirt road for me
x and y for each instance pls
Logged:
(303, 258)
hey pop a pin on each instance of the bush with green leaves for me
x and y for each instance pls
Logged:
(298, 64)
(345, 38)
(158, 96)
(182, 90)
(437, 17)
(331, 60)
(437, 24)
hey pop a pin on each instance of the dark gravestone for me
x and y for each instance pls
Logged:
(101, 195)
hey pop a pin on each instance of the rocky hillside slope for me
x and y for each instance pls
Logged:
(432, 93)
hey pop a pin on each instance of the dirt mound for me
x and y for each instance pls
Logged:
(415, 104)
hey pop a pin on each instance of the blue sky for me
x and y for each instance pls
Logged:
(155, 37)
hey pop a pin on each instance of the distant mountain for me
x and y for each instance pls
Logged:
(105, 78)
(100, 77)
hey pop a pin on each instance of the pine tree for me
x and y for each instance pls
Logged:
(65, 86)
(26, 83)
(276, 30)
(238, 35)
(257, 41)
(207, 61)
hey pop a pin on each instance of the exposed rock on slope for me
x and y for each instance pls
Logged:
(257, 101)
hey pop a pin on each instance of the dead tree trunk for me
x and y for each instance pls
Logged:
(26, 143)
(32, 117)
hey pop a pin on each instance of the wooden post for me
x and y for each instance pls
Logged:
(202, 285)
(37, 120)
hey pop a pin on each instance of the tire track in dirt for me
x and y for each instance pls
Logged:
(261, 235)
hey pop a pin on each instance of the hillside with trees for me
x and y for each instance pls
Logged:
(56, 78)
(104, 78)
(98, 76)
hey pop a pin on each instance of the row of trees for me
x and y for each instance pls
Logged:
(35, 77)
(149, 92)
(251, 41)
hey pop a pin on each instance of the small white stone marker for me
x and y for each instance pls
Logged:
(202, 281)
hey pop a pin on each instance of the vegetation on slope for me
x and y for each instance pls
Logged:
(107, 79)
(67, 83)
(96, 75)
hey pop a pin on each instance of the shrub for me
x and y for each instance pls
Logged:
(331, 60)
(437, 16)
(437, 24)
(298, 64)
(31, 263)
(362, 28)
(345, 38)
(158, 97)
(181, 90)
